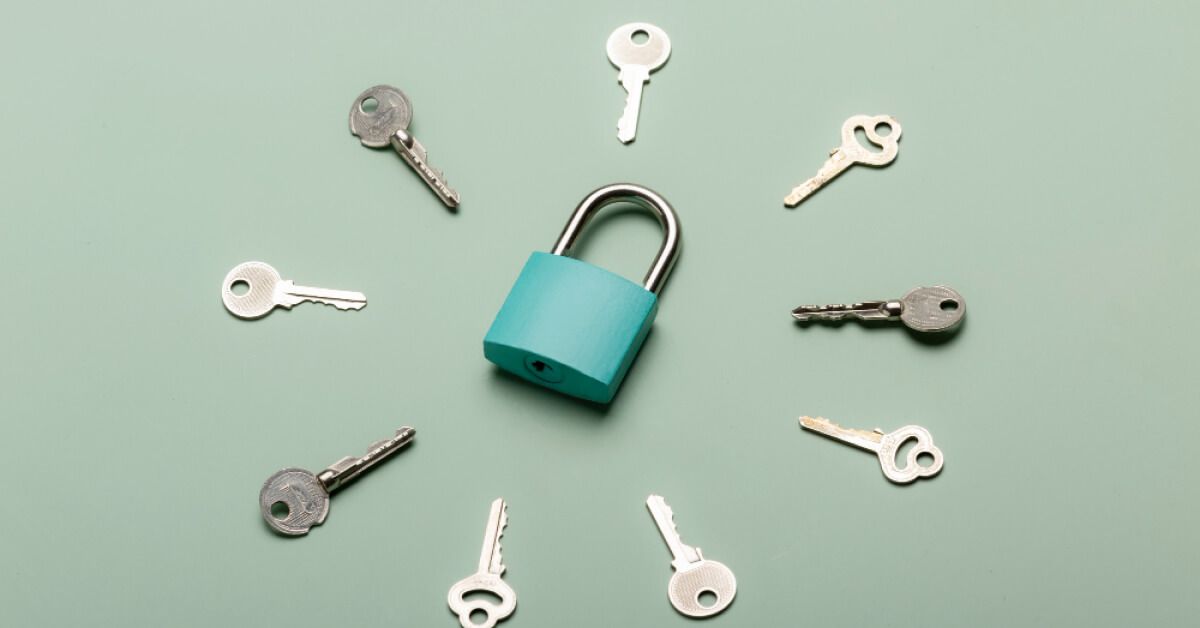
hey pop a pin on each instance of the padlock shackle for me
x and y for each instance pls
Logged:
(642, 197)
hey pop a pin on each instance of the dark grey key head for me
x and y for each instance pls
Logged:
(378, 113)
(932, 309)
(293, 501)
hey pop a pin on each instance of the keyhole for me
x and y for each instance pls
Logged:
(640, 37)
(240, 287)
(542, 370)
(949, 305)
(707, 598)
(280, 510)
(368, 105)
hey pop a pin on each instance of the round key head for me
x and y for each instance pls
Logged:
(870, 125)
(249, 290)
(690, 587)
(639, 43)
(932, 309)
(293, 501)
(486, 582)
(378, 113)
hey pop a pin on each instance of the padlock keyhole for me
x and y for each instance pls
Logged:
(542, 370)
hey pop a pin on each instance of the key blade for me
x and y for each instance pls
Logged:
(867, 311)
(490, 560)
(633, 78)
(418, 159)
(863, 439)
(664, 518)
(837, 163)
(343, 471)
(287, 294)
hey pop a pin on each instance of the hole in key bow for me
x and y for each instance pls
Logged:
(949, 305)
(925, 459)
(481, 595)
(280, 510)
(902, 452)
(368, 105)
(240, 287)
(707, 598)
(865, 142)
(639, 37)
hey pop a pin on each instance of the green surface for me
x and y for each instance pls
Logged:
(1046, 172)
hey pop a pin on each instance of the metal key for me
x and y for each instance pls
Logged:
(380, 116)
(294, 500)
(487, 578)
(636, 61)
(924, 309)
(266, 291)
(851, 152)
(694, 575)
(885, 446)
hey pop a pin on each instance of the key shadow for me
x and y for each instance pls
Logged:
(929, 339)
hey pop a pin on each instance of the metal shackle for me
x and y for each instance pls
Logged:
(642, 197)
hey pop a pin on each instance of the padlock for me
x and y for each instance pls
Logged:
(574, 327)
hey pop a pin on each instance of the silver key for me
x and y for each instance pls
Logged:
(694, 575)
(293, 500)
(924, 309)
(636, 61)
(885, 446)
(851, 152)
(487, 578)
(380, 116)
(265, 291)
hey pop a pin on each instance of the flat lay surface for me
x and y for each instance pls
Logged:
(1045, 173)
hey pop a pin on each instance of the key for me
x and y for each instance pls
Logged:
(885, 446)
(380, 116)
(923, 309)
(694, 575)
(294, 500)
(851, 152)
(636, 61)
(487, 578)
(265, 291)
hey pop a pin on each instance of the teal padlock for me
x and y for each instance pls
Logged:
(574, 327)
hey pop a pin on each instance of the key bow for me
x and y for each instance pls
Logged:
(890, 444)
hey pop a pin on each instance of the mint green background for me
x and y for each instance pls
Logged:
(1047, 171)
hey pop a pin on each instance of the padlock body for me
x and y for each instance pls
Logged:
(571, 326)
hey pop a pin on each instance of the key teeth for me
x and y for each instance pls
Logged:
(497, 558)
(670, 512)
